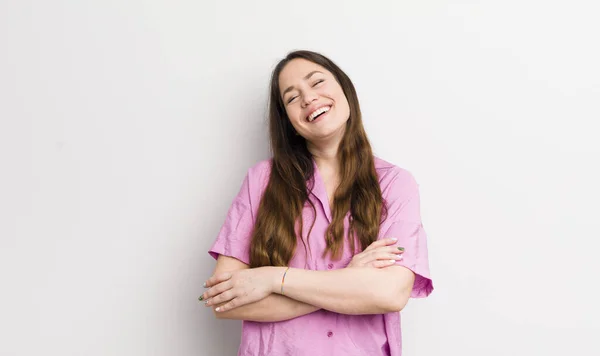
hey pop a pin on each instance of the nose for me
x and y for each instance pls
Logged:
(308, 97)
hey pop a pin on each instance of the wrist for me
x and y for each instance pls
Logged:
(277, 280)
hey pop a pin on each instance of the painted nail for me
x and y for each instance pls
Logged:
(200, 298)
(394, 239)
(204, 284)
(392, 261)
(401, 248)
(399, 257)
(218, 309)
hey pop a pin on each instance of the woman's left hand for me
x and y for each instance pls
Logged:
(240, 287)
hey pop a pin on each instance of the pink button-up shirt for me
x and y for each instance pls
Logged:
(325, 333)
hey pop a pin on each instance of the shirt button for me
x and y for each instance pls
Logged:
(329, 334)
(330, 266)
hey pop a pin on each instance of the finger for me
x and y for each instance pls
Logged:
(393, 249)
(379, 253)
(221, 298)
(216, 279)
(390, 256)
(381, 243)
(383, 263)
(216, 290)
(234, 303)
(380, 256)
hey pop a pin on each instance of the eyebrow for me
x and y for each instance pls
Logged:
(305, 78)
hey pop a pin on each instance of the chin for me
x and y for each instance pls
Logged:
(331, 131)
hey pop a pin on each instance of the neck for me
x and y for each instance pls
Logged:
(326, 155)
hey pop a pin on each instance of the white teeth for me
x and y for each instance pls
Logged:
(317, 112)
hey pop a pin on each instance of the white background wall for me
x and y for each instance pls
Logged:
(127, 127)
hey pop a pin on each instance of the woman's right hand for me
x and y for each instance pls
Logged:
(379, 254)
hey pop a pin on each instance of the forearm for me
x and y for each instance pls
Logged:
(273, 308)
(351, 290)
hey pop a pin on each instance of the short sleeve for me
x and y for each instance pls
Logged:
(405, 224)
(235, 235)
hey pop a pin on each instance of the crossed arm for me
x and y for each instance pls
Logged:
(273, 308)
(238, 292)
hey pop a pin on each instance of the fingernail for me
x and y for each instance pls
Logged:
(218, 309)
(399, 257)
(200, 298)
(204, 284)
(401, 248)
(392, 261)
(394, 239)
(206, 302)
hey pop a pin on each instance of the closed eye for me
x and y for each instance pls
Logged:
(292, 99)
(318, 82)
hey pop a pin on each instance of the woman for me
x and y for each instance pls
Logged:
(302, 257)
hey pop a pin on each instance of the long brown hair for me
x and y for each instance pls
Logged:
(274, 235)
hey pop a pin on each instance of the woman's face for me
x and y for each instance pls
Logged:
(314, 101)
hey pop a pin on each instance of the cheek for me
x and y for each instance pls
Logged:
(292, 116)
(341, 101)
(343, 106)
(293, 113)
